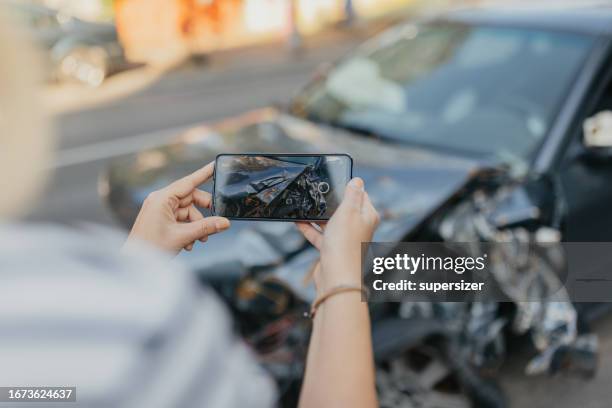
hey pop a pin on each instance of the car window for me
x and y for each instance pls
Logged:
(477, 89)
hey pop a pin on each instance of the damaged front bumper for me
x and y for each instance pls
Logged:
(528, 277)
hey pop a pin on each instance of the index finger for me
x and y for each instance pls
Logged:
(186, 185)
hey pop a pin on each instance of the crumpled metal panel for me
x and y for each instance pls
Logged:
(521, 274)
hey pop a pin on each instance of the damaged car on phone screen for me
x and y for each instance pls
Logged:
(479, 125)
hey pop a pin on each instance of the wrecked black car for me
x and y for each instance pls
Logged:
(469, 127)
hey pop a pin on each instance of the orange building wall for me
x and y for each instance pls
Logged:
(162, 31)
(156, 31)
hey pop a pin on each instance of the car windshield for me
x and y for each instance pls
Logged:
(476, 89)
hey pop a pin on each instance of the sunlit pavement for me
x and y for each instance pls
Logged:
(73, 97)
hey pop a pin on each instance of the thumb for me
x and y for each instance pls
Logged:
(353, 195)
(200, 229)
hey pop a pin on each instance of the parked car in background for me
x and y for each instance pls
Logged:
(76, 50)
(466, 128)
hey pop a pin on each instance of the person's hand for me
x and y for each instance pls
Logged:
(339, 241)
(169, 218)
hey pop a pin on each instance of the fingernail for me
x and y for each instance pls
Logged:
(223, 224)
(356, 183)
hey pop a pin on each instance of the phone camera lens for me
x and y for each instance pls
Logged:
(323, 187)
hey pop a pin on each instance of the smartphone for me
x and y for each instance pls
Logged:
(280, 187)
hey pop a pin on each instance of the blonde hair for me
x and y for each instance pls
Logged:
(25, 138)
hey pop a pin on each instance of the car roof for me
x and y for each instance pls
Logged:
(595, 19)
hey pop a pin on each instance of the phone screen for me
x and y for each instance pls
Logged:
(280, 187)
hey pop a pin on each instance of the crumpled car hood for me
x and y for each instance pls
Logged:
(406, 184)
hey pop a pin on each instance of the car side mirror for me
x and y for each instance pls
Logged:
(597, 136)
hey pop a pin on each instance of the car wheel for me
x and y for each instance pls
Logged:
(86, 65)
(420, 377)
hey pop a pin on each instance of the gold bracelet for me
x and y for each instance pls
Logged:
(333, 292)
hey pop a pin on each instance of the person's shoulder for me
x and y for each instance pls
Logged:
(117, 313)
(86, 246)
(53, 265)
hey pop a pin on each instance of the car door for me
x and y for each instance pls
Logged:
(585, 176)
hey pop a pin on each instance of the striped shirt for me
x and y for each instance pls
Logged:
(128, 330)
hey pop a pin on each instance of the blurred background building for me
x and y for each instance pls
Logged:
(158, 30)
